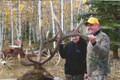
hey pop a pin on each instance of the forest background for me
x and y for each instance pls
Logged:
(21, 20)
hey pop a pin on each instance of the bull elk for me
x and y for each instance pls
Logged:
(39, 72)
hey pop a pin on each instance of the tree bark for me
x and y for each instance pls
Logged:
(115, 52)
(115, 47)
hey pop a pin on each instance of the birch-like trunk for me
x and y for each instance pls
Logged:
(20, 26)
(30, 31)
(40, 21)
(0, 31)
(39, 13)
(2, 27)
(33, 27)
(62, 15)
(71, 15)
(53, 23)
(12, 36)
(80, 6)
(26, 17)
(83, 29)
(30, 27)
(16, 28)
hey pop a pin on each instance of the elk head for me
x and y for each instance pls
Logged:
(39, 72)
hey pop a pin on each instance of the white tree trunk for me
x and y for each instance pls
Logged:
(20, 26)
(62, 15)
(16, 28)
(53, 23)
(40, 22)
(0, 31)
(33, 27)
(30, 31)
(30, 27)
(39, 13)
(71, 14)
(83, 29)
(2, 25)
(79, 8)
(12, 36)
(26, 17)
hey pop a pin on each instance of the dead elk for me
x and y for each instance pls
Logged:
(38, 72)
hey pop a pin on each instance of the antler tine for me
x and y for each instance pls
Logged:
(79, 25)
(76, 31)
(52, 53)
(25, 63)
(30, 58)
(58, 22)
(53, 39)
(47, 39)
(58, 41)
(48, 58)
(35, 62)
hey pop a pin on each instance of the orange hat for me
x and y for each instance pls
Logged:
(92, 20)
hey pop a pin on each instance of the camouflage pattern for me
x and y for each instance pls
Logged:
(75, 77)
(98, 55)
(97, 77)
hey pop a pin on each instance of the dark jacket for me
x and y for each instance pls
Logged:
(75, 55)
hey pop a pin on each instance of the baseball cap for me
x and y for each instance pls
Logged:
(92, 20)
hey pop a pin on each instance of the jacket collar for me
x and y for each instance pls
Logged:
(96, 33)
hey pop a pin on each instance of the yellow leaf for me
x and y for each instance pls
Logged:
(84, 1)
(13, 10)
(6, 12)
(21, 6)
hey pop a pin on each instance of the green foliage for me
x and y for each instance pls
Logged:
(108, 12)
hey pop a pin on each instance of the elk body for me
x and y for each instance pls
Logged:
(39, 72)
(36, 74)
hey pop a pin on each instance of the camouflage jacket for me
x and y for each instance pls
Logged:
(98, 55)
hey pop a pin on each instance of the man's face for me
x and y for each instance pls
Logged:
(92, 28)
(75, 39)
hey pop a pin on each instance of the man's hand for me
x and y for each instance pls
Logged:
(92, 38)
(63, 43)
(85, 76)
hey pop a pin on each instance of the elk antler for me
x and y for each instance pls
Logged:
(62, 37)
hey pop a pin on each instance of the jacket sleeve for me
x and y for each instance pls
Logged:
(62, 51)
(102, 46)
(83, 46)
(85, 53)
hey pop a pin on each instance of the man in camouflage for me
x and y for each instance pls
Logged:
(98, 65)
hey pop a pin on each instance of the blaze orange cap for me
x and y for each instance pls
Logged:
(92, 20)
